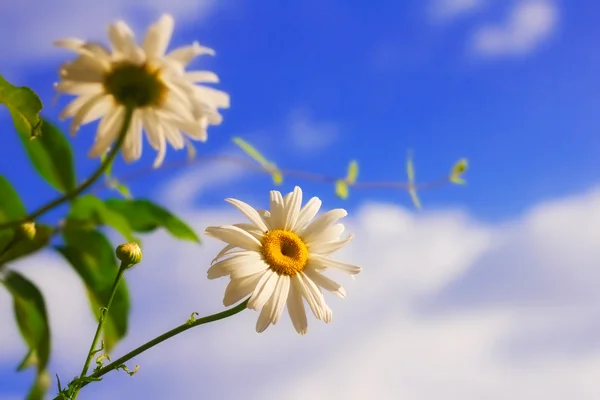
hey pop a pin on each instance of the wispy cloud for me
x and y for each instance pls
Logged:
(528, 24)
(29, 27)
(448, 10)
(446, 307)
(309, 134)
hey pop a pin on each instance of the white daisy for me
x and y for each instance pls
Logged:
(279, 258)
(167, 100)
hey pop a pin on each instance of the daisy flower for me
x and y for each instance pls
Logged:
(279, 258)
(167, 100)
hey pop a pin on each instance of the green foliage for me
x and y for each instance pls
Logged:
(89, 211)
(146, 216)
(11, 208)
(52, 157)
(410, 171)
(24, 107)
(32, 320)
(40, 386)
(458, 170)
(342, 185)
(92, 256)
(259, 158)
(27, 247)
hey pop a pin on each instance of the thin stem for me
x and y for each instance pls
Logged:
(103, 313)
(304, 175)
(86, 184)
(173, 332)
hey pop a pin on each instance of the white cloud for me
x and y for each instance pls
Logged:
(308, 134)
(29, 26)
(528, 25)
(446, 307)
(447, 10)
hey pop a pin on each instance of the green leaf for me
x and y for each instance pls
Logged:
(410, 171)
(458, 170)
(270, 167)
(89, 211)
(40, 386)
(30, 313)
(341, 189)
(11, 208)
(52, 157)
(92, 256)
(23, 248)
(352, 172)
(146, 216)
(24, 107)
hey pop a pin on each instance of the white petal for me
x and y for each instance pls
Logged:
(326, 283)
(277, 210)
(237, 289)
(212, 97)
(264, 319)
(249, 212)
(155, 135)
(183, 55)
(132, 147)
(202, 77)
(235, 236)
(79, 88)
(313, 296)
(243, 264)
(326, 248)
(321, 223)
(226, 250)
(92, 106)
(281, 294)
(307, 213)
(292, 208)
(321, 262)
(295, 306)
(251, 229)
(158, 36)
(331, 234)
(264, 290)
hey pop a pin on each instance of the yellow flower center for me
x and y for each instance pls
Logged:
(137, 86)
(284, 251)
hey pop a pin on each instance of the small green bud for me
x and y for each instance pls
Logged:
(27, 231)
(129, 253)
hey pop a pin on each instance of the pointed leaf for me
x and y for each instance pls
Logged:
(90, 211)
(52, 157)
(23, 248)
(92, 256)
(40, 386)
(251, 151)
(458, 170)
(146, 216)
(410, 170)
(11, 208)
(30, 313)
(24, 107)
(352, 172)
(341, 189)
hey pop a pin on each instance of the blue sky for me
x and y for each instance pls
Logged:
(511, 85)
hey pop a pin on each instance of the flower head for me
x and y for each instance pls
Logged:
(279, 258)
(166, 99)
(129, 253)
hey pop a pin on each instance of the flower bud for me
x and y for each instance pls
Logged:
(129, 253)
(26, 231)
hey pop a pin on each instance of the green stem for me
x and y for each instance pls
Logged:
(103, 313)
(173, 332)
(86, 184)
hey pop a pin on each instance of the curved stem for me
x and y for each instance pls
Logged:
(86, 184)
(103, 313)
(173, 332)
